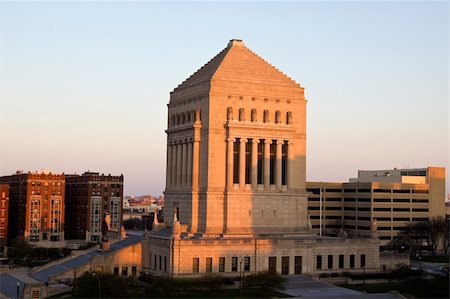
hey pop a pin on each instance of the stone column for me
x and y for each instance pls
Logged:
(173, 171)
(195, 163)
(242, 163)
(278, 164)
(179, 162)
(184, 164)
(189, 163)
(290, 164)
(267, 143)
(255, 142)
(169, 166)
(230, 147)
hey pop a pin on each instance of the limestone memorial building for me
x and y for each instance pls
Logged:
(235, 197)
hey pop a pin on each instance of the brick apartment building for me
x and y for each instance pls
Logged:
(4, 202)
(36, 207)
(88, 197)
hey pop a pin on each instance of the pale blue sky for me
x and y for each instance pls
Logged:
(84, 85)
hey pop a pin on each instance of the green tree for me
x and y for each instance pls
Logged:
(111, 286)
(266, 281)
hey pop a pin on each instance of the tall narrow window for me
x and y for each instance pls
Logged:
(208, 264)
(284, 149)
(272, 264)
(236, 147)
(234, 261)
(273, 148)
(330, 262)
(363, 261)
(248, 162)
(352, 261)
(289, 117)
(195, 265)
(247, 263)
(221, 264)
(341, 261)
(319, 262)
(260, 161)
(277, 117)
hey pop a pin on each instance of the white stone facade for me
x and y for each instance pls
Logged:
(236, 173)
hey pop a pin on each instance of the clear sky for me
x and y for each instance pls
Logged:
(84, 85)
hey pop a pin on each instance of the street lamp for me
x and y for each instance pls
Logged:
(98, 279)
(18, 289)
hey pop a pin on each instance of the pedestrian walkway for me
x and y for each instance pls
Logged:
(306, 286)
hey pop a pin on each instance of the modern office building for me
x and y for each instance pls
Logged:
(36, 207)
(88, 197)
(393, 197)
(4, 203)
(235, 193)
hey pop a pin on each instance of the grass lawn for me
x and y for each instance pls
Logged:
(423, 288)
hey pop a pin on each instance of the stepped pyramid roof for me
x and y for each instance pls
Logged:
(239, 64)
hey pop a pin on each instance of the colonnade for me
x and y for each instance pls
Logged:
(254, 163)
(183, 163)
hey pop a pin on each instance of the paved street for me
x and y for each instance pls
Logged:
(305, 286)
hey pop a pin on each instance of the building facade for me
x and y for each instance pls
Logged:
(36, 207)
(88, 197)
(4, 203)
(394, 198)
(236, 178)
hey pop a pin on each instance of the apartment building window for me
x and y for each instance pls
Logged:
(352, 261)
(133, 271)
(330, 262)
(208, 264)
(247, 263)
(195, 264)
(116, 270)
(221, 264)
(160, 262)
(234, 262)
(341, 261)
(319, 262)
(363, 261)
(124, 271)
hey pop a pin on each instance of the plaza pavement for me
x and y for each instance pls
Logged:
(305, 286)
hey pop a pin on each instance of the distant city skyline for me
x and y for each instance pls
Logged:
(85, 85)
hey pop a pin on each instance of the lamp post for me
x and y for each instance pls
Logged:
(18, 289)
